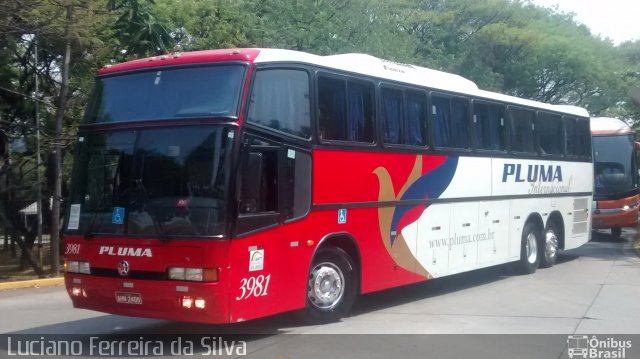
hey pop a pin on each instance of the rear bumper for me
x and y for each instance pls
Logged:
(159, 299)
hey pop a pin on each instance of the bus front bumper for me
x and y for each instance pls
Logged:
(603, 219)
(169, 300)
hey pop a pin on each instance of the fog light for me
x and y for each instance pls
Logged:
(199, 302)
(187, 302)
(625, 208)
(75, 291)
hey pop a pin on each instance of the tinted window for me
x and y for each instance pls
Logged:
(584, 137)
(416, 133)
(614, 164)
(392, 116)
(345, 110)
(450, 121)
(550, 133)
(521, 132)
(156, 182)
(297, 184)
(570, 136)
(280, 100)
(166, 94)
(404, 117)
(489, 126)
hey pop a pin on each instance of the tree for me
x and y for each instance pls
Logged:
(137, 29)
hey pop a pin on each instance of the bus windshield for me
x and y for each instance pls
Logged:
(211, 91)
(151, 182)
(614, 165)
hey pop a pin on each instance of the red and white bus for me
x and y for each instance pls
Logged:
(226, 185)
(616, 195)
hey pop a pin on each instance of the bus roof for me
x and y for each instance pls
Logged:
(609, 126)
(354, 63)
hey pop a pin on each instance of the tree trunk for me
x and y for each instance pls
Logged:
(57, 148)
(28, 256)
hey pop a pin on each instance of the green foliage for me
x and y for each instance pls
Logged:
(137, 29)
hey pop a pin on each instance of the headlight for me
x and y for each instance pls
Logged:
(77, 267)
(193, 274)
(72, 266)
(176, 273)
(84, 267)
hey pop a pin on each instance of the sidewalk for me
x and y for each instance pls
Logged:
(33, 283)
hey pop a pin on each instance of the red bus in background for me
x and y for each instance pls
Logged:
(616, 195)
(226, 185)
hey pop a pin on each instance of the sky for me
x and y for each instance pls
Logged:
(618, 20)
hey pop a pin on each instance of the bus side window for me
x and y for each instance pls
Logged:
(441, 111)
(280, 100)
(584, 136)
(258, 189)
(550, 134)
(393, 116)
(274, 185)
(521, 129)
(570, 136)
(450, 121)
(416, 121)
(488, 121)
(345, 110)
(257, 192)
(296, 184)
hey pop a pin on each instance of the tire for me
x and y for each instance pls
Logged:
(529, 253)
(548, 251)
(332, 286)
(616, 232)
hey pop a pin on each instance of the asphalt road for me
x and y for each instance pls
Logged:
(592, 290)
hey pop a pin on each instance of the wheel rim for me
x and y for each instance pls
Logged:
(326, 286)
(551, 244)
(531, 248)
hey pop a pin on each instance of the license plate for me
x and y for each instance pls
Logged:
(128, 298)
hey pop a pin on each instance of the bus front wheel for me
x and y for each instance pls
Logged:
(529, 253)
(331, 286)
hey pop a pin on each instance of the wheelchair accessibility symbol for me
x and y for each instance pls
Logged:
(342, 216)
(118, 215)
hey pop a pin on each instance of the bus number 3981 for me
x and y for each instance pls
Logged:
(254, 286)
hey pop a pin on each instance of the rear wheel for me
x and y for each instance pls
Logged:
(549, 249)
(529, 253)
(331, 286)
(616, 232)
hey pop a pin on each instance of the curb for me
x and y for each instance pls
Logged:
(35, 283)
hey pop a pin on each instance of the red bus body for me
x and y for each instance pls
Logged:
(358, 179)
